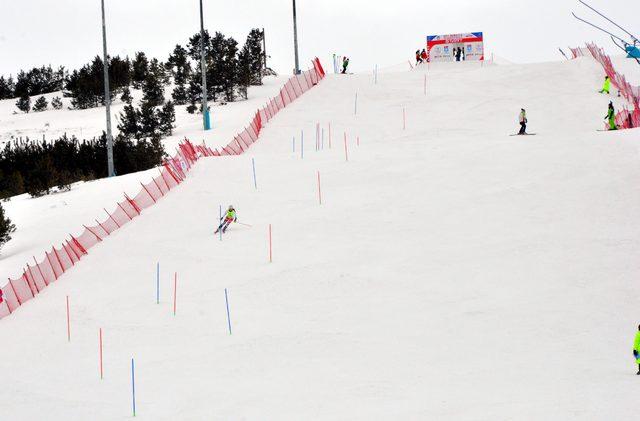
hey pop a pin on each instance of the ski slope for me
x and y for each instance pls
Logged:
(451, 271)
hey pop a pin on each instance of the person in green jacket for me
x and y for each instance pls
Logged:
(611, 115)
(227, 219)
(607, 85)
(636, 349)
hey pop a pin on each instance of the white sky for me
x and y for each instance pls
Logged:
(67, 32)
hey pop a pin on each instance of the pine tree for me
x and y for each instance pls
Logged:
(148, 121)
(166, 118)
(140, 68)
(56, 103)
(256, 55)
(229, 69)
(128, 125)
(6, 88)
(243, 75)
(181, 69)
(24, 103)
(126, 96)
(41, 104)
(195, 93)
(152, 88)
(42, 177)
(6, 228)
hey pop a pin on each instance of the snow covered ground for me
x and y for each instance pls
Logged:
(451, 272)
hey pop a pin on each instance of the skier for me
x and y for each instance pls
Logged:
(227, 219)
(607, 85)
(611, 115)
(418, 57)
(345, 64)
(636, 349)
(523, 122)
(424, 55)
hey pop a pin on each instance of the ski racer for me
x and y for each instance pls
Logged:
(418, 57)
(345, 64)
(227, 219)
(611, 116)
(607, 85)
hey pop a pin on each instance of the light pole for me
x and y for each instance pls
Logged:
(295, 38)
(107, 97)
(203, 64)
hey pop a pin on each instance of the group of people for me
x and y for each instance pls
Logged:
(458, 53)
(421, 56)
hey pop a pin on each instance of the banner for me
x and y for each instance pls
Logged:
(455, 47)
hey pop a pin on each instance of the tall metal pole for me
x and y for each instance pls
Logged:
(107, 97)
(203, 64)
(295, 38)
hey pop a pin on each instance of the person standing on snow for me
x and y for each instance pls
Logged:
(523, 122)
(611, 116)
(345, 64)
(607, 85)
(636, 349)
(418, 57)
(424, 55)
(227, 219)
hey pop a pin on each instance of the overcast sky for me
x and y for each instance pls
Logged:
(386, 32)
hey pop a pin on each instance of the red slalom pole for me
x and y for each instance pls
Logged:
(175, 290)
(346, 153)
(68, 322)
(270, 246)
(319, 190)
(101, 371)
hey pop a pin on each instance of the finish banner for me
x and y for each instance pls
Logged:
(455, 47)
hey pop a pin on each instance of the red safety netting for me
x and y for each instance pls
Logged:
(625, 119)
(295, 86)
(37, 275)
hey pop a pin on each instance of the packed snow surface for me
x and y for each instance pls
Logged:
(451, 272)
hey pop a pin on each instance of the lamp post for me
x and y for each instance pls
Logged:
(295, 38)
(107, 97)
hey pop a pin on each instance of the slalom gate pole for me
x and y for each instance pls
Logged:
(346, 153)
(329, 135)
(226, 299)
(322, 140)
(175, 290)
(358, 141)
(255, 183)
(68, 322)
(302, 144)
(101, 371)
(270, 246)
(355, 110)
(133, 386)
(376, 77)
(425, 84)
(293, 144)
(319, 190)
(158, 283)
(404, 119)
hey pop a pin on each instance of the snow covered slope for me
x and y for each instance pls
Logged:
(451, 272)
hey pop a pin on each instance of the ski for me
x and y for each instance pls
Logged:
(524, 134)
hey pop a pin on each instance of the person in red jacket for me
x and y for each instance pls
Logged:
(423, 55)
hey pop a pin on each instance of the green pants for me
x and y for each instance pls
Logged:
(612, 124)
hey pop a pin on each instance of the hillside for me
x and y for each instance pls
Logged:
(451, 272)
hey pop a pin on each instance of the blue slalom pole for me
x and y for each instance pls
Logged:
(302, 144)
(220, 229)
(133, 386)
(158, 283)
(226, 299)
(255, 183)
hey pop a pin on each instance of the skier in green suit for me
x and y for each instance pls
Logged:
(227, 219)
(607, 85)
(636, 349)
(611, 115)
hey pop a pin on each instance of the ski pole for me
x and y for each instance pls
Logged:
(246, 225)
